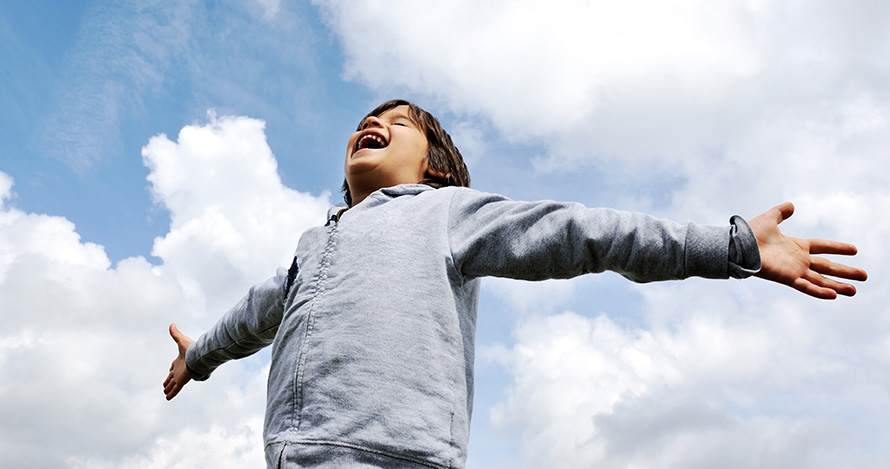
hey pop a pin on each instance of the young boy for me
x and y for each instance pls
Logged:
(372, 328)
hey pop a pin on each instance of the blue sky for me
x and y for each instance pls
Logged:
(158, 158)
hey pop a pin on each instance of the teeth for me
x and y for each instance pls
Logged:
(366, 140)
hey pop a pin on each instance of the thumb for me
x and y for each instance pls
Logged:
(175, 333)
(783, 211)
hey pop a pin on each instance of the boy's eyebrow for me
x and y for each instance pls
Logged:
(404, 115)
(395, 115)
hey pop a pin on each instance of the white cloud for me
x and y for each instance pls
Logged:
(569, 369)
(232, 446)
(710, 382)
(623, 83)
(745, 104)
(83, 344)
(527, 297)
(76, 341)
(532, 66)
(706, 373)
(231, 218)
(6, 182)
(270, 8)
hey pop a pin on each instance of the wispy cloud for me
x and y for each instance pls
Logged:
(254, 57)
(120, 60)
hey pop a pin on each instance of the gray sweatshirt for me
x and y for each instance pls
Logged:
(372, 330)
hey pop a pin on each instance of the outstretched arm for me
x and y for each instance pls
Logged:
(179, 374)
(790, 261)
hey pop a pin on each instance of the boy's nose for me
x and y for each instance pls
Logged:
(372, 122)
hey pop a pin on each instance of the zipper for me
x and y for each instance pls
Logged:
(320, 290)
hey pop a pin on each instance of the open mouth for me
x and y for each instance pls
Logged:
(370, 141)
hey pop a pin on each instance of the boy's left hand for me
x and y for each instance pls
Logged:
(179, 373)
(790, 261)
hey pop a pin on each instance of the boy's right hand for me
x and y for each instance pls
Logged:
(791, 261)
(179, 374)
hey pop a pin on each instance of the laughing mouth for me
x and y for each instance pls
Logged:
(370, 141)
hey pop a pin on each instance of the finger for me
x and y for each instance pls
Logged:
(174, 332)
(841, 288)
(826, 267)
(845, 289)
(173, 389)
(824, 246)
(783, 211)
(169, 378)
(805, 286)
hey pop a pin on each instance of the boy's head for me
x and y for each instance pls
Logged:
(400, 143)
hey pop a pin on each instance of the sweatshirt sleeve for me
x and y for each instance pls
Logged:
(491, 235)
(245, 329)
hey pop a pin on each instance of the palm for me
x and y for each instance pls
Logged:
(179, 374)
(790, 261)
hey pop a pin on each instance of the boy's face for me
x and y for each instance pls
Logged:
(388, 150)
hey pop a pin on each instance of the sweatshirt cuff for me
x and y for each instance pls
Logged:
(193, 365)
(706, 251)
(744, 255)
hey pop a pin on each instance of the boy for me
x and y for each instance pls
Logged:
(372, 328)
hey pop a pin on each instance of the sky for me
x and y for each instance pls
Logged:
(157, 158)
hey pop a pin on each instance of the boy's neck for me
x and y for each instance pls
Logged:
(359, 196)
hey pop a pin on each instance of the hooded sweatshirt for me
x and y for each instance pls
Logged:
(372, 328)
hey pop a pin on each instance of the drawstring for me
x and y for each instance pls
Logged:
(336, 217)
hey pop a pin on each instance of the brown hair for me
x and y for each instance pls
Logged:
(443, 156)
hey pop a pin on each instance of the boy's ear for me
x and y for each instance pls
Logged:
(438, 174)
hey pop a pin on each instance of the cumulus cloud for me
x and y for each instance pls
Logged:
(744, 104)
(231, 218)
(828, 157)
(75, 342)
(230, 446)
(83, 344)
(524, 63)
(707, 373)
(621, 84)
(711, 384)
(528, 297)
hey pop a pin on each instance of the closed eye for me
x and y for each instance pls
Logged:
(402, 121)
